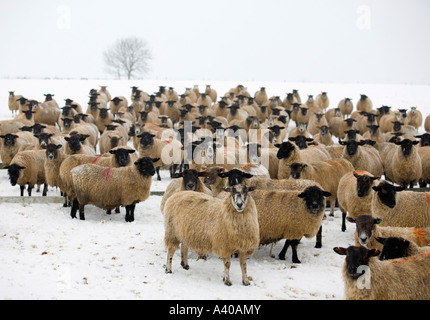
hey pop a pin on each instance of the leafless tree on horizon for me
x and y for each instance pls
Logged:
(129, 56)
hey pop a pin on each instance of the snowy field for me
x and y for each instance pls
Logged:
(47, 255)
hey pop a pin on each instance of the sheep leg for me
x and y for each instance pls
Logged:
(343, 222)
(108, 212)
(170, 252)
(271, 248)
(242, 260)
(294, 245)
(226, 278)
(45, 190)
(332, 205)
(184, 257)
(319, 238)
(117, 210)
(157, 169)
(22, 188)
(284, 250)
(81, 212)
(29, 190)
(75, 206)
(129, 213)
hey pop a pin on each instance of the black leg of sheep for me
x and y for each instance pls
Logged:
(129, 213)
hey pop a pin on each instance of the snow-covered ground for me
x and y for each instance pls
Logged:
(47, 255)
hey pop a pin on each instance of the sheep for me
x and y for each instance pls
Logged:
(316, 120)
(109, 188)
(45, 113)
(103, 118)
(13, 102)
(400, 208)
(103, 91)
(111, 139)
(324, 136)
(75, 145)
(300, 130)
(364, 103)
(150, 146)
(355, 194)
(236, 113)
(303, 115)
(327, 173)
(27, 168)
(368, 228)
(221, 226)
(414, 118)
(13, 143)
(368, 278)
(220, 108)
(290, 215)
(427, 124)
(322, 101)
(374, 134)
(403, 165)
(54, 159)
(117, 103)
(88, 129)
(397, 247)
(186, 180)
(211, 92)
(424, 153)
(25, 118)
(289, 153)
(260, 97)
(345, 106)
(45, 138)
(364, 158)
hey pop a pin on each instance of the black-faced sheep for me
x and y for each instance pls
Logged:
(109, 188)
(367, 278)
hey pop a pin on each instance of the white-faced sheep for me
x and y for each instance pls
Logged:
(27, 168)
(414, 118)
(367, 228)
(290, 215)
(403, 165)
(368, 278)
(355, 194)
(362, 157)
(327, 173)
(400, 208)
(109, 188)
(220, 226)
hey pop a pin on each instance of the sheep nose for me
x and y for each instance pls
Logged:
(190, 186)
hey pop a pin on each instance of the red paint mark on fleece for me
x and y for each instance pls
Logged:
(95, 160)
(107, 173)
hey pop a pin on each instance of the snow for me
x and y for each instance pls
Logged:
(47, 255)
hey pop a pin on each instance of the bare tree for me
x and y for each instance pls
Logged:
(129, 56)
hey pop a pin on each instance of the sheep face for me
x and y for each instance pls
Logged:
(425, 139)
(75, 141)
(103, 113)
(352, 146)
(43, 139)
(276, 130)
(387, 193)
(122, 156)
(146, 139)
(37, 128)
(67, 122)
(301, 141)
(394, 248)
(324, 130)
(190, 178)
(52, 151)
(356, 257)
(239, 196)
(314, 199)
(397, 125)
(233, 109)
(29, 114)
(9, 139)
(373, 129)
(363, 184)
(212, 175)
(15, 172)
(235, 176)
(285, 150)
(406, 146)
(297, 169)
(145, 166)
(66, 111)
(364, 226)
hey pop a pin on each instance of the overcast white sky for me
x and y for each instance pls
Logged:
(272, 40)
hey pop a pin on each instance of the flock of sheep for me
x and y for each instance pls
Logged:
(107, 153)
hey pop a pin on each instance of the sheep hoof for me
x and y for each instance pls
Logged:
(246, 282)
(185, 266)
(296, 261)
(168, 271)
(227, 282)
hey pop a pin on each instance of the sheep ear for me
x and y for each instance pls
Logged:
(155, 159)
(203, 174)
(339, 250)
(227, 189)
(131, 151)
(223, 174)
(112, 151)
(248, 175)
(376, 188)
(415, 142)
(302, 195)
(326, 194)
(380, 239)
(373, 252)
(401, 188)
(177, 175)
(350, 219)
